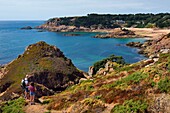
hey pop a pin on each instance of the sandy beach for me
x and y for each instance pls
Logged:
(150, 32)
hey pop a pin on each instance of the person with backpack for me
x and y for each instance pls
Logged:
(24, 85)
(32, 89)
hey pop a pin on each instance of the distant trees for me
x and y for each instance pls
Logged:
(160, 20)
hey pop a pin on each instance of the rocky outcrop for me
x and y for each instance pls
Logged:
(63, 28)
(119, 33)
(91, 70)
(47, 67)
(161, 104)
(72, 34)
(27, 28)
(134, 44)
(159, 45)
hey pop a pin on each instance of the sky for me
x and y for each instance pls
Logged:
(45, 9)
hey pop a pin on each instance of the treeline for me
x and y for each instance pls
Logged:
(160, 20)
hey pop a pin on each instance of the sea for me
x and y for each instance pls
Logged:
(83, 50)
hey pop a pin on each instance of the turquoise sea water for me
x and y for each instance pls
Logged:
(82, 50)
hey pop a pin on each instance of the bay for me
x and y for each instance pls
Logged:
(83, 50)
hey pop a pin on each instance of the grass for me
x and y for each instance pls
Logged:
(123, 83)
(86, 85)
(164, 85)
(14, 106)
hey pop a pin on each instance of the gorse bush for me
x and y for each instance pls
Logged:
(123, 83)
(135, 77)
(164, 85)
(130, 106)
(86, 85)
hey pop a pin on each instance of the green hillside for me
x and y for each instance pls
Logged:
(100, 21)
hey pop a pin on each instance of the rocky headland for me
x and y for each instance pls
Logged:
(124, 32)
(154, 46)
(47, 67)
(119, 26)
(106, 33)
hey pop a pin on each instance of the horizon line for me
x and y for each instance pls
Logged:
(82, 15)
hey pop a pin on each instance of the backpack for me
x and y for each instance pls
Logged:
(23, 85)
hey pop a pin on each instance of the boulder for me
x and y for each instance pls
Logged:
(91, 70)
(134, 44)
(164, 51)
(27, 28)
(72, 34)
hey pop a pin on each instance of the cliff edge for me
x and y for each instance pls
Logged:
(46, 66)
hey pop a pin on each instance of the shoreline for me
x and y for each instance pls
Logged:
(148, 33)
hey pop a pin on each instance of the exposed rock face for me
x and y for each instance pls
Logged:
(161, 104)
(62, 28)
(119, 33)
(153, 47)
(47, 67)
(91, 70)
(159, 45)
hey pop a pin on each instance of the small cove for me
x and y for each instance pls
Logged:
(83, 50)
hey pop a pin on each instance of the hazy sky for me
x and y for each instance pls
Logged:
(45, 9)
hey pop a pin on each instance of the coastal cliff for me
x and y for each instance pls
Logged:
(116, 87)
(46, 66)
(140, 87)
(137, 25)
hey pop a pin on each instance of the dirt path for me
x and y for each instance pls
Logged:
(37, 108)
(109, 108)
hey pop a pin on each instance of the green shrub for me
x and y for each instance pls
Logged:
(86, 85)
(164, 85)
(130, 79)
(14, 106)
(130, 106)
(135, 77)
(98, 96)
(150, 25)
(113, 58)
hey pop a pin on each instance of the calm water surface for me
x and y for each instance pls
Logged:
(82, 50)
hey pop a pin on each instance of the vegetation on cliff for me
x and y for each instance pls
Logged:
(102, 63)
(100, 21)
(129, 88)
(47, 67)
(140, 87)
(14, 106)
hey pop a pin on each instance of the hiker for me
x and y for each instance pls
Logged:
(24, 85)
(32, 89)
